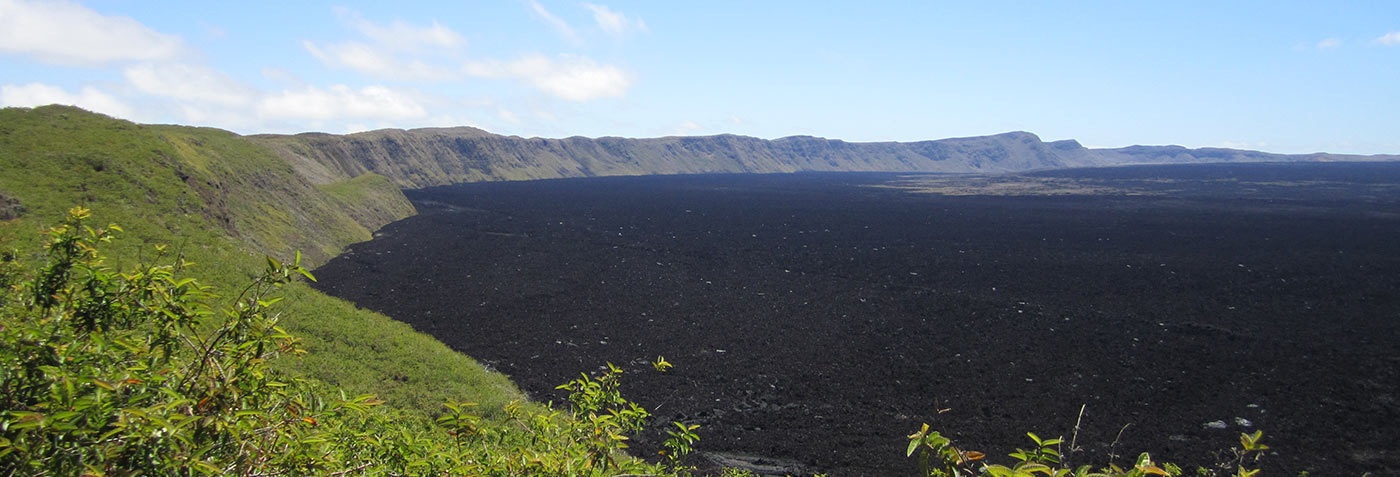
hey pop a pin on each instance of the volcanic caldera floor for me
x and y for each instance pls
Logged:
(816, 319)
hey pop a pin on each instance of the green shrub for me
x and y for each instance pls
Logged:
(939, 458)
(138, 373)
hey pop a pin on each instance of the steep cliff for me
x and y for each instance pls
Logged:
(429, 157)
(438, 156)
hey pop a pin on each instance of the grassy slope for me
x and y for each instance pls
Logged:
(224, 202)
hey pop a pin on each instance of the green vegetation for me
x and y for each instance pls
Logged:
(938, 457)
(214, 204)
(181, 350)
(224, 202)
(140, 372)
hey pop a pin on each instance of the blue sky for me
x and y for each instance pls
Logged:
(1278, 76)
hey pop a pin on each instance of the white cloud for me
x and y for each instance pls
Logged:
(574, 78)
(70, 34)
(1329, 44)
(184, 82)
(559, 25)
(341, 102)
(507, 116)
(395, 51)
(1389, 39)
(1246, 145)
(615, 23)
(377, 62)
(686, 128)
(402, 36)
(39, 94)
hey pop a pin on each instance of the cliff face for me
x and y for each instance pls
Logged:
(428, 157)
(439, 156)
(164, 181)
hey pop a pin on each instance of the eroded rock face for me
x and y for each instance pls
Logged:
(10, 208)
(420, 158)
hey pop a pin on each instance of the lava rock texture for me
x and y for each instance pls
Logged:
(815, 319)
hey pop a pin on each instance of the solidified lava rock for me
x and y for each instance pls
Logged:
(816, 320)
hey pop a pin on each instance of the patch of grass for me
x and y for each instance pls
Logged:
(363, 351)
(371, 199)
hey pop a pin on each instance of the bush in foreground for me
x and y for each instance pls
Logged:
(147, 372)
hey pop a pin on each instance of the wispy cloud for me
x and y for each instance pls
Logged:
(615, 23)
(400, 35)
(69, 34)
(1329, 43)
(39, 94)
(395, 50)
(686, 128)
(341, 102)
(507, 116)
(1246, 145)
(377, 62)
(185, 82)
(557, 24)
(1389, 39)
(570, 77)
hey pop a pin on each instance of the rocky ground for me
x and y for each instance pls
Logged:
(815, 320)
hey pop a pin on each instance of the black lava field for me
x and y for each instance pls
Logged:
(814, 320)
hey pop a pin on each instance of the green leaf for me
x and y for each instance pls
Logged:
(207, 468)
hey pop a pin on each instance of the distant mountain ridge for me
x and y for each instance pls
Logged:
(427, 157)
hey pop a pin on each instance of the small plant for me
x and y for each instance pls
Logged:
(661, 364)
(679, 445)
(461, 423)
(1249, 453)
(1045, 451)
(605, 418)
(938, 456)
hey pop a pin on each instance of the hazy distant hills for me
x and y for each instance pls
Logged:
(438, 156)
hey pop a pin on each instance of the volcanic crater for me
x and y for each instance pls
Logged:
(814, 320)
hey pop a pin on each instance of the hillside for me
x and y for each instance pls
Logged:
(223, 202)
(438, 156)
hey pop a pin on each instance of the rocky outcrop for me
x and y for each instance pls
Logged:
(439, 156)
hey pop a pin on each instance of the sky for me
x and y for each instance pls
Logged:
(1278, 76)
